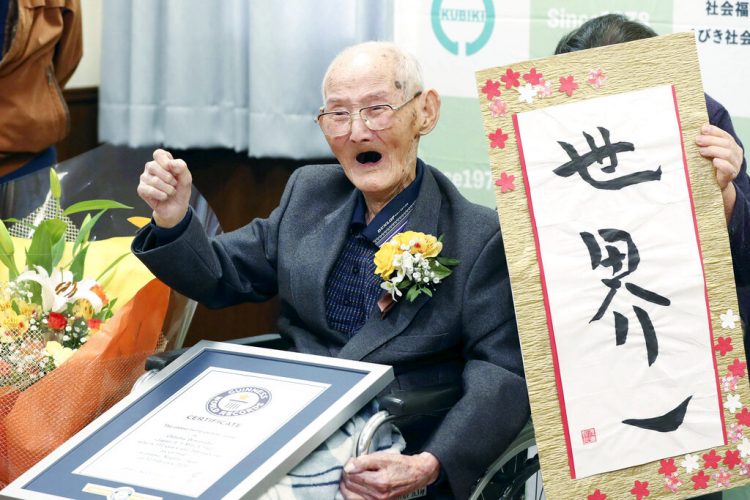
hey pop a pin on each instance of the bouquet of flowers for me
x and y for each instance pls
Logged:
(68, 351)
(48, 310)
(409, 261)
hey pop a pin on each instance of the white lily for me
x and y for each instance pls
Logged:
(391, 286)
(59, 288)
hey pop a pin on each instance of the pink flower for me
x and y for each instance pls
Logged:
(729, 383)
(640, 489)
(667, 467)
(497, 139)
(544, 89)
(596, 78)
(568, 85)
(722, 479)
(510, 79)
(505, 182)
(672, 483)
(498, 107)
(491, 89)
(533, 77)
(735, 433)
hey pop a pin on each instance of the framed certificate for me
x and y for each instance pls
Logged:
(221, 421)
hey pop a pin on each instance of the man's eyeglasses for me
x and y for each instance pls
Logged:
(377, 117)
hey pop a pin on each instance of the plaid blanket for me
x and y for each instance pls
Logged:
(318, 476)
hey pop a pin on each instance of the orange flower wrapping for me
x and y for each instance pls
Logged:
(36, 421)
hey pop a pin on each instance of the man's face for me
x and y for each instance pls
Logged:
(379, 163)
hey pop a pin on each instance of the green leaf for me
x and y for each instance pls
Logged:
(77, 264)
(57, 251)
(85, 231)
(440, 270)
(6, 243)
(54, 184)
(427, 291)
(36, 292)
(113, 264)
(11, 265)
(440, 238)
(412, 294)
(446, 261)
(91, 205)
(40, 252)
(15, 307)
(82, 236)
(404, 284)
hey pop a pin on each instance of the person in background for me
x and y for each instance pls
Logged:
(717, 141)
(40, 47)
(317, 252)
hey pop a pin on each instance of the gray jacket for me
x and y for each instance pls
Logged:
(465, 333)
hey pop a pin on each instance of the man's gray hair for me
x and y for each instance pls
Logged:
(408, 72)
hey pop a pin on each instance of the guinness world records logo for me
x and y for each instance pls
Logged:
(441, 14)
(238, 401)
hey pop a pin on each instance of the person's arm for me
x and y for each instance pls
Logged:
(719, 143)
(231, 268)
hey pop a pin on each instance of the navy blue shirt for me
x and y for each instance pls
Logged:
(353, 288)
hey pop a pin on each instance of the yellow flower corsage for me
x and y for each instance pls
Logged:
(409, 261)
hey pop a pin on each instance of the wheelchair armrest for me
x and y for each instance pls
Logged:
(424, 401)
(160, 360)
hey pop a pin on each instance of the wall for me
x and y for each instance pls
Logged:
(87, 73)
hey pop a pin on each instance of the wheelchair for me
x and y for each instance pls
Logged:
(514, 475)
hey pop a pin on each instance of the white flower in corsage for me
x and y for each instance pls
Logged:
(409, 262)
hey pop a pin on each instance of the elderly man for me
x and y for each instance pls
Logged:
(316, 252)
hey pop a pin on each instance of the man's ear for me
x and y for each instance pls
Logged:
(429, 111)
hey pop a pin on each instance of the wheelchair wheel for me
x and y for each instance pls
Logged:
(514, 475)
(516, 480)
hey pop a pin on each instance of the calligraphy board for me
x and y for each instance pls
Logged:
(618, 253)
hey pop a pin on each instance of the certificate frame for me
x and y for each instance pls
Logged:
(350, 385)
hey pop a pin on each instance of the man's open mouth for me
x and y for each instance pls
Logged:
(369, 157)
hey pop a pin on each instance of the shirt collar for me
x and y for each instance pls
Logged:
(393, 217)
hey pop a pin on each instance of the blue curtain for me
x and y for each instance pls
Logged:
(240, 74)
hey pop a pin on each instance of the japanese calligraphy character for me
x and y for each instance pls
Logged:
(745, 37)
(741, 10)
(730, 37)
(580, 163)
(703, 35)
(717, 36)
(727, 8)
(624, 264)
(615, 259)
(710, 8)
(668, 422)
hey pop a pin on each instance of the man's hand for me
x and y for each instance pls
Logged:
(725, 154)
(384, 475)
(165, 186)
